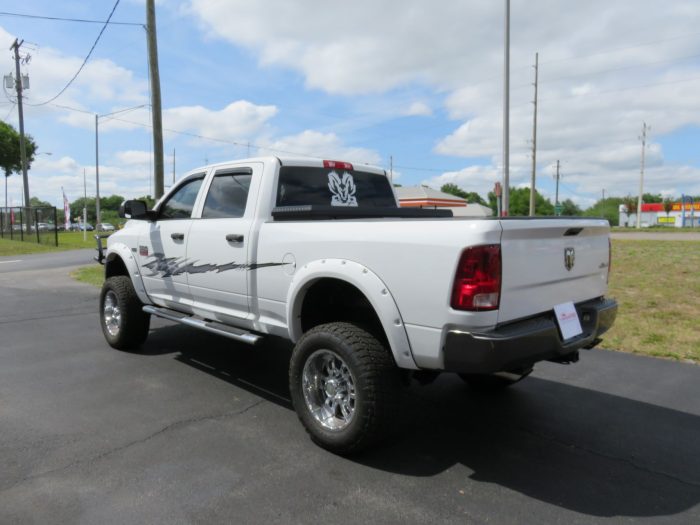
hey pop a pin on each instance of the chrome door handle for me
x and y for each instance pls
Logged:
(177, 236)
(234, 237)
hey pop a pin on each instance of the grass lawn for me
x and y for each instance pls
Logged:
(93, 274)
(657, 285)
(664, 229)
(66, 241)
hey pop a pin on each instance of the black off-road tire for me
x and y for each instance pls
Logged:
(377, 386)
(492, 382)
(133, 323)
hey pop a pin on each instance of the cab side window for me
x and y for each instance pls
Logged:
(181, 203)
(228, 194)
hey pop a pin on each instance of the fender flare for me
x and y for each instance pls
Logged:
(369, 284)
(122, 251)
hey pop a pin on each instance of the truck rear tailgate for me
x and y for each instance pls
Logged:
(546, 262)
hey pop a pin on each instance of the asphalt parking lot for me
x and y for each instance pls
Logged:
(200, 429)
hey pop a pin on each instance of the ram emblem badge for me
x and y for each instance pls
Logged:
(569, 258)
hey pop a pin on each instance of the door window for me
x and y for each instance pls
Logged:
(228, 194)
(180, 204)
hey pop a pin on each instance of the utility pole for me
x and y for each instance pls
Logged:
(155, 99)
(391, 169)
(506, 113)
(556, 198)
(22, 148)
(643, 138)
(84, 206)
(97, 174)
(534, 141)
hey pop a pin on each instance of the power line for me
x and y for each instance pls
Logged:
(61, 19)
(216, 139)
(614, 69)
(84, 61)
(12, 107)
(653, 84)
(615, 49)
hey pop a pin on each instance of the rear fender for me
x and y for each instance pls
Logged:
(366, 282)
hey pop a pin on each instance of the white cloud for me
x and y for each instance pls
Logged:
(597, 83)
(320, 145)
(480, 179)
(418, 109)
(134, 158)
(238, 121)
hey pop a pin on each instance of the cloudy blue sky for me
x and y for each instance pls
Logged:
(363, 81)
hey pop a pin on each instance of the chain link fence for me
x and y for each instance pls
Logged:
(26, 224)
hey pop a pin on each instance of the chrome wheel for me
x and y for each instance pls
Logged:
(111, 314)
(329, 389)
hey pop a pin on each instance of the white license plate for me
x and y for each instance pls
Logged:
(568, 321)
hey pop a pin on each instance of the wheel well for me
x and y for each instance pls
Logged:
(331, 300)
(114, 267)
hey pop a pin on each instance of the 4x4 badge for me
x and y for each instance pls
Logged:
(569, 258)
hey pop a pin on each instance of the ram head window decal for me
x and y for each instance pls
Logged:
(342, 188)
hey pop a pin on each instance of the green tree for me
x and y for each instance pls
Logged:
(35, 202)
(652, 197)
(469, 196)
(76, 208)
(520, 203)
(630, 203)
(608, 208)
(111, 203)
(453, 189)
(10, 157)
(668, 205)
(570, 209)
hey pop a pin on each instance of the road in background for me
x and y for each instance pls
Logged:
(200, 429)
(46, 261)
(656, 236)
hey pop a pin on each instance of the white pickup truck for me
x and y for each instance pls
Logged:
(371, 294)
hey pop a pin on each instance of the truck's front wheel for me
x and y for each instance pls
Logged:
(124, 323)
(344, 386)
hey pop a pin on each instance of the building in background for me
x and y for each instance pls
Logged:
(653, 214)
(427, 197)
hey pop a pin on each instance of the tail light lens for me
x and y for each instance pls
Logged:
(477, 284)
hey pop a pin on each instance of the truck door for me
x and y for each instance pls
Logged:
(219, 243)
(161, 251)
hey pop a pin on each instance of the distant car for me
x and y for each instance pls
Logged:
(106, 227)
(79, 226)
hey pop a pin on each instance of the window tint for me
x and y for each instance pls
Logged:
(179, 205)
(227, 195)
(328, 187)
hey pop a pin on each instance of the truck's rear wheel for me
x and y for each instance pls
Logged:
(345, 387)
(494, 382)
(124, 323)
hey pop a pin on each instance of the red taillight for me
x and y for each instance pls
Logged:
(477, 283)
(335, 164)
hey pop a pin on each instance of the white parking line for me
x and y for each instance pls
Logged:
(8, 262)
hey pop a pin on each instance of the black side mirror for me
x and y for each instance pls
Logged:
(134, 209)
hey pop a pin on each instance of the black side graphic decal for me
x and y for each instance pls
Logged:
(171, 266)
